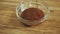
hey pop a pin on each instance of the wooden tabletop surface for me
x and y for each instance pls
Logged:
(9, 24)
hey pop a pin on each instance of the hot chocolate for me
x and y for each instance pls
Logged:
(32, 14)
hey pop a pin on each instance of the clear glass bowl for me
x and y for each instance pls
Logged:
(29, 4)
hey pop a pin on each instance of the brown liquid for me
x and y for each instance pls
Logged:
(32, 14)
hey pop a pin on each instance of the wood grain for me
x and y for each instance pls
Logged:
(9, 23)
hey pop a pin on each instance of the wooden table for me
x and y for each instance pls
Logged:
(9, 23)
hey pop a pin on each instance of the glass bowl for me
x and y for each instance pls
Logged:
(32, 4)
